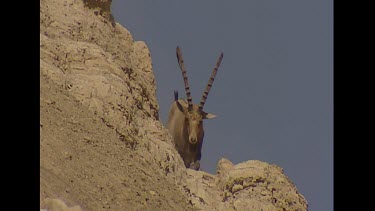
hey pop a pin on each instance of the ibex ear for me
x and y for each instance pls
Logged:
(208, 115)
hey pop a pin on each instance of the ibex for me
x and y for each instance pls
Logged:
(185, 120)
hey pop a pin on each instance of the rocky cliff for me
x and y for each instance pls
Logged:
(102, 145)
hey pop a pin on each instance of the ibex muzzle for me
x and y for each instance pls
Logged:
(185, 120)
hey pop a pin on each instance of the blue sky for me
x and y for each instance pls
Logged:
(273, 93)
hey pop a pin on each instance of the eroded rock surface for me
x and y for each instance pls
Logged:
(251, 185)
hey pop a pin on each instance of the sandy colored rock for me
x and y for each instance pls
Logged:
(102, 145)
(59, 205)
(250, 185)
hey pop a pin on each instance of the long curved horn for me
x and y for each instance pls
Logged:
(183, 70)
(208, 87)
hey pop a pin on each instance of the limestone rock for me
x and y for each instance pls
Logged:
(59, 205)
(251, 185)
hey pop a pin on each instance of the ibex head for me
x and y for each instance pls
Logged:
(193, 113)
(193, 119)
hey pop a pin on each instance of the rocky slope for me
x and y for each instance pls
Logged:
(102, 145)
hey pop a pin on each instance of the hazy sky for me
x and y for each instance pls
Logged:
(273, 93)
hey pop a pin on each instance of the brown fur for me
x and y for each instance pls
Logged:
(185, 127)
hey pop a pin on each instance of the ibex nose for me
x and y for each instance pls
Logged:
(193, 140)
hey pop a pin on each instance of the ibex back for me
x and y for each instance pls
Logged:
(185, 120)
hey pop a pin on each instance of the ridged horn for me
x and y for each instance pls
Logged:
(210, 82)
(183, 70)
